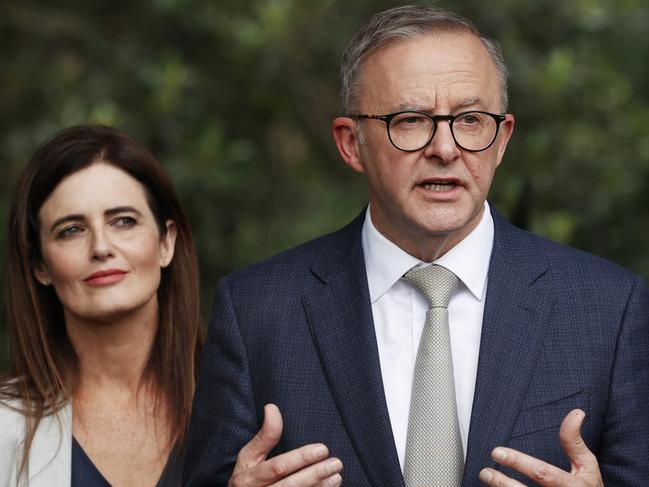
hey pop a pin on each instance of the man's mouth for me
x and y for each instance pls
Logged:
(440, 185)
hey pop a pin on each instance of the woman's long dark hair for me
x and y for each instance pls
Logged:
(45, 368)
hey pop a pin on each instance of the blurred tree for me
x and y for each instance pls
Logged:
(235, 99)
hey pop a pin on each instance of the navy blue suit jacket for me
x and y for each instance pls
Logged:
(562, 329)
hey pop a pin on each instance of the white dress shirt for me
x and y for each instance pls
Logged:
(399, 313)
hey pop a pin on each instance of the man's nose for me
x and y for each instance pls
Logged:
(442, 145)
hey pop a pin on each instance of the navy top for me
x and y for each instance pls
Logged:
(85, 474)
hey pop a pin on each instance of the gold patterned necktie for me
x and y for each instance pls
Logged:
(434, 455)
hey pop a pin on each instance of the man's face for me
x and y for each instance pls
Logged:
(429, 200)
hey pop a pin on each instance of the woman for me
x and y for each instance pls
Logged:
(103, 316)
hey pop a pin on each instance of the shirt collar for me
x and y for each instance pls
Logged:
(386, 263)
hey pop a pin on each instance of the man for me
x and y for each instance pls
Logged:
(337, 332)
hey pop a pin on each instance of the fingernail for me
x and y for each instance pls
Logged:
(321, 451)
(486, 475)
(499, 454)
(334, 465)
(335, 481)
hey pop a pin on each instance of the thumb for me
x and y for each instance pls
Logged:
(572, 443)
(257, 449)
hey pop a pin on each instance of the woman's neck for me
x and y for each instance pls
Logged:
(113, 353)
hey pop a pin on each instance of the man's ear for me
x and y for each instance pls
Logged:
(168, 244)
(345, 132)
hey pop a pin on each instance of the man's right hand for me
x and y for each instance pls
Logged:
(307, 466)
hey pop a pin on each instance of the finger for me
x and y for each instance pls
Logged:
(537, 470)
(573, 444)
(282, 466)
(333, 481)
(494, 478)
(257, 449)
(322, 474)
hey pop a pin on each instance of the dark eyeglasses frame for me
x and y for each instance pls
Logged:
(435, 118)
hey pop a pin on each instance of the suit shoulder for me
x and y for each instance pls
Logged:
(565, 255)
(586, 267)
(292, 264)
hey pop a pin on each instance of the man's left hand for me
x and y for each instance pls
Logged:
(584, 472)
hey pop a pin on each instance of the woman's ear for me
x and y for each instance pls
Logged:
(168, 244)
(42, 274)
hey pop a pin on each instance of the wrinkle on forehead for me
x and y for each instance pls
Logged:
(467, 103)
(441, 73)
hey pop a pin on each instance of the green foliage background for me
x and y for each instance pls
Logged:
(235, 98)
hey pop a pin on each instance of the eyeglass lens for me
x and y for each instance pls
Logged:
(472, 131)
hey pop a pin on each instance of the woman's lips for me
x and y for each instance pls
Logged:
(102, 278)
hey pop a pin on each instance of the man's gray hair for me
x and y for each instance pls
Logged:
(408, 22)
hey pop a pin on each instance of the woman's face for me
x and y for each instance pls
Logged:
(101, 247)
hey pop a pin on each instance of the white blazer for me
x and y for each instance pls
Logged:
(50, 456)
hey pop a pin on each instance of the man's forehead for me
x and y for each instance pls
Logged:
(418, 72)
(460, 42)
(468, 102)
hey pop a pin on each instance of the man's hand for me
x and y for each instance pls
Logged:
(584, 472)
(308, 466)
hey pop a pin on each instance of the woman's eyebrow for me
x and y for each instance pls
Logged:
(122, 209)
(65, 219)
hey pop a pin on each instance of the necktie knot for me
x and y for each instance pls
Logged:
(436, 283)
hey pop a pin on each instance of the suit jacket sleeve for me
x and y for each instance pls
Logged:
(223, 417)
(50, 454)
(624, 458)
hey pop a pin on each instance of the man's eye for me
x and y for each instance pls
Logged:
(413, 119)
(470, 119)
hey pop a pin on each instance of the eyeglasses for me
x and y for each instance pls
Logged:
(410, 131)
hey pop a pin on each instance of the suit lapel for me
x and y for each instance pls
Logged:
(512, 333)
(339, 313)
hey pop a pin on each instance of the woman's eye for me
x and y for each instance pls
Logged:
(69, 231)
(124, 221)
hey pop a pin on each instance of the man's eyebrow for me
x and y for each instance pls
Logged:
(411, 107)
(469, 102)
